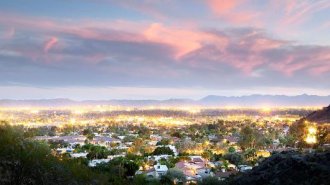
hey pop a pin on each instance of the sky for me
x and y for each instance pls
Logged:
(159, 49)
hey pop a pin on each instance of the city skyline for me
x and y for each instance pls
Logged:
(163, 49)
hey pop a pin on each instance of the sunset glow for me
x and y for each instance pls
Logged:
(152, 49)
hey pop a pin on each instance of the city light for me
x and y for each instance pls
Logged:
(311, 135)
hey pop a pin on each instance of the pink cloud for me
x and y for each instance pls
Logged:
(297, 12)
(183, 40)
(233, 12)
(242, 51)
(314, 60)
(50, 44)
(317, 71)
(223, 6)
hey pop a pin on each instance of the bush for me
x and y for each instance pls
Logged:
(24, 161)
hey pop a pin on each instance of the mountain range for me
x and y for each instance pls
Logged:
(208, 101)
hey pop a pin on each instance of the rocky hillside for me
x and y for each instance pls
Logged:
(320, 116)
(289, 168)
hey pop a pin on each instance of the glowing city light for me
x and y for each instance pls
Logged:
(311, 135)
(312, 130)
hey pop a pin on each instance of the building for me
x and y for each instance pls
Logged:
(160, 170)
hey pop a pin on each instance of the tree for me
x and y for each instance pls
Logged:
(287, 140)
(137, 146)
(94, 151)
(234, 158)
(140, 179)
(24, 161)
(176, 134)
(247, 138)
(250, 155)
(87, 131)
(131, 167)
(207, 155)
(209, 181)
(163, 142)
(297, 132)
(231, 150)
(173, 176)
(129, 139)
(90, 136)
(163, 150)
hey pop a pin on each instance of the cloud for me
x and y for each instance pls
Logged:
(223, 6)
(296, 12)
(50, 43)
(8, 33)
(127, 53)
(184, 40)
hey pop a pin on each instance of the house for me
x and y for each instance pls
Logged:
(155, 137)
(204, 172)
(244, 168)
(191, 169)
(95, 162)
(104, 141)
(231, 140)
(156, 171)
(213, 137)
(64, 150)
(232, 167)
(152, 143)
(71, 140)
(150, 173)
(198, 160)
(79, 155)
(114, 156)
(222, 175)
(160, 170)
(158, 157)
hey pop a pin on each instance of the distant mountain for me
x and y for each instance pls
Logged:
(267, 100)
(212, 100)
(320, 116)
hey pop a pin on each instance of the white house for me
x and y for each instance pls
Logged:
(95, 162)
(158, 157)
(160, 170)
(244, 168)
(78, 155)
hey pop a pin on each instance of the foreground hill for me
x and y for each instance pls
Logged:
(27, 162)
(289, 168)
(320, 116)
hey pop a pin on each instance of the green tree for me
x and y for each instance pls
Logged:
(207, 155)
(234, 158)
(24, 161)
(247, 138)
(209, 181)
(231, 150)
(163, 150)
(140, 179)
(173, 176)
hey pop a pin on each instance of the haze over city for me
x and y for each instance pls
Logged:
(145, 49)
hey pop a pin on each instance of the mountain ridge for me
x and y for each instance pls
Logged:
(255, 100)
(320, 116)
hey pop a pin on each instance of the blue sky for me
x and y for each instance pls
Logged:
(104, 49)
